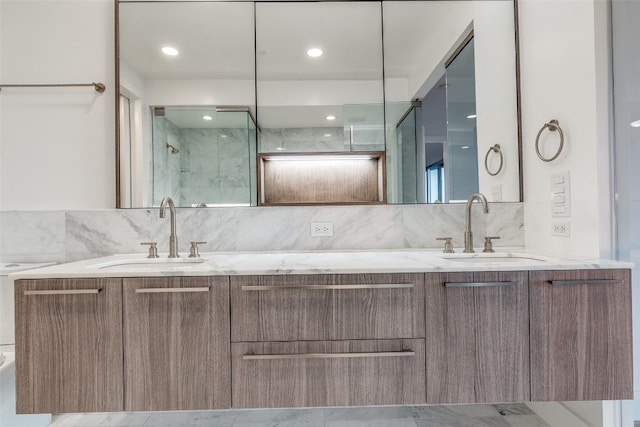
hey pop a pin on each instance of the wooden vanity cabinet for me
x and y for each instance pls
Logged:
(581, 344)
(328, 373)
(327, 307)
(68, 345)
(477, 337)
(176, 335)
(327, 340)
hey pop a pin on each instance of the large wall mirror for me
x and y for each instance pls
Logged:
(425, 91)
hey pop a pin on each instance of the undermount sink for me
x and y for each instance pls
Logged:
(150, 263)
(489, 258)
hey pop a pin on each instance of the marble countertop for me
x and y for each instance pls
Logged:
(315, 262)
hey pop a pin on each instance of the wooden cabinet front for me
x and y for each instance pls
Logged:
(581, 335)
(68, 345)
(328, 373)
(477, 337)
(176, 334)
(327, 307)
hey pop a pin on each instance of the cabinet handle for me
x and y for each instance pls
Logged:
(477, 284)
(328, 287)
(588, 282)
(64, 292)
(170, 290)
(403, 353)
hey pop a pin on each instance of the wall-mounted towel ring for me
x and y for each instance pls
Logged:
(495, 149)
(553, 126)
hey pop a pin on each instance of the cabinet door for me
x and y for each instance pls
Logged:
(327, 307)
(69, 345)
(581, 335)
(328, 373)
(477, 337)
(176, 335)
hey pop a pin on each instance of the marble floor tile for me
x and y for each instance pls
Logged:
(507, 415)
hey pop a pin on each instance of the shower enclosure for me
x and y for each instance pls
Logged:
(204, 156)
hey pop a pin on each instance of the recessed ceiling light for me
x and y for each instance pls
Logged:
(223, 136)
(327, 135)
(464, 147)
(331, 117)
(207, 118)
(315, 52)
(471, 116)
(635, 124)
(170, 51)
(280, 148)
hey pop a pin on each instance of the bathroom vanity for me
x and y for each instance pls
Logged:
(307, 329)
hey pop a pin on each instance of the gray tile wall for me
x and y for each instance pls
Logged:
(64, 236)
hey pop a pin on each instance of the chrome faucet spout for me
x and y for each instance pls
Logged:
(468, 236)
(173, 238)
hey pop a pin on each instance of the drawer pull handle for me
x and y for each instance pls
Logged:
(588, 282)
(328, 287)
(170, 290)
(64, 292)
(477, 284)
(403, 353)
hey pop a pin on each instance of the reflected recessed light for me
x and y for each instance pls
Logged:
(635, 124)
(280, 148)
(315, 52)
(471, 116)
(223, 136)
(207, 118)
(464, 147)
(327, 135)
(170, 51)
(330, 117)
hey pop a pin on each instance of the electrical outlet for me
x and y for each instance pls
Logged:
(560, 229)
(321, 229)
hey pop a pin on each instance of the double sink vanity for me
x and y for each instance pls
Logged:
(309, 329)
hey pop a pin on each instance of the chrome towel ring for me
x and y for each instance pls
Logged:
(553, 126)
(495, 149)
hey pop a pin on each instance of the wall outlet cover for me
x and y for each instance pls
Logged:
(321, 229)
(562, 229)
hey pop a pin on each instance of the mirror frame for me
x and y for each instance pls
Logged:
(117, 91)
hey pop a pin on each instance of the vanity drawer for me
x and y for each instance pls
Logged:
(328, 373)
(327, 307)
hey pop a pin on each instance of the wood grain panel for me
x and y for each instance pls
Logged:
(321, 178)
(176, 345)
(296, 314)
(69, 347)
(328, 382)
(581, 345)
(477, 339)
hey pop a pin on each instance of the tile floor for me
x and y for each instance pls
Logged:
(507, 415)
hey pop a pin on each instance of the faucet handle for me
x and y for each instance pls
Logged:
(488, 244)
(193, 251)
(153, 249)
(448, 244)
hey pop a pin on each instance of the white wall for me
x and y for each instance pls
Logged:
(57, 145)
(563, 78)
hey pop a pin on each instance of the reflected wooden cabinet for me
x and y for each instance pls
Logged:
(68, 345)
(581, 345)
(477, 337)
(176, 334)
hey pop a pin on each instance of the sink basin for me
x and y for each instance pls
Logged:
(491, 258)
(150, 264)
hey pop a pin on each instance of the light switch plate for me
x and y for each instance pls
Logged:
(560, 195)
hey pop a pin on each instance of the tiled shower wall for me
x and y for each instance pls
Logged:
(64, 236)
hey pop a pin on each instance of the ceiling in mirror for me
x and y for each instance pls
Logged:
(238, 56)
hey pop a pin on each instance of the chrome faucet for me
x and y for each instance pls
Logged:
(468, 236)
(173, 239)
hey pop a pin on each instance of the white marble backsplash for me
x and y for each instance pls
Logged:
(64, 236)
